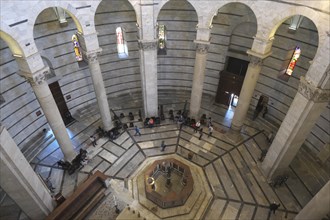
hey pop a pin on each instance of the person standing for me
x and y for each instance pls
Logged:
(197, 126)
(273, 207)
(163, 145)
(93, 140)
(200, 133)
(265, 112)
(210, 131)
(137, 131)
(209, 122)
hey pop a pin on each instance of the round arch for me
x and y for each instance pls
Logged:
(13, 45)
(217, 7)
(320, 62)
(67, 7)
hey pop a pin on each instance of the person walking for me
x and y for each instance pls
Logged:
(273, 207)
(200, 133)
(137, 131)
(93, 140)
(210, 131)
(163, 146)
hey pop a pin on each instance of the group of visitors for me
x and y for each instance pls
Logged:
(197, 127)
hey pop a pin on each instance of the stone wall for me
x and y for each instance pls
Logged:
(175, 69)
(232, 34)
(121, 76)
(19, 106)
(55, 44)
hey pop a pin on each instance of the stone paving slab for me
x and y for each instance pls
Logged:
(214, 181)
(106, 155)
(226, 180)
(247, 212)
(131, 166)
(122, 161)
(114, 149)
(216, 209)
(104, 165)
(157, 152)
(237, 180)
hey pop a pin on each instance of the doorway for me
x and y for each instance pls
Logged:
(60, 102)
(231, 81)
(229, 88)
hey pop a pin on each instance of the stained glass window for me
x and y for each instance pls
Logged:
(289, 63)
(161, 40)
(77, 49)
(121, 43)
(293, 61)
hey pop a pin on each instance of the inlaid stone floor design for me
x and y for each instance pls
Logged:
(231, 166)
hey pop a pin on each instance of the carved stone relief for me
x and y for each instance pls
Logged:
(202, 48)
(313, 93)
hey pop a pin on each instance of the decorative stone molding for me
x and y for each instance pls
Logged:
(313, 93)
(92, 56)
(255, 61)
(147, 45)
(36, 78)
(202, 48)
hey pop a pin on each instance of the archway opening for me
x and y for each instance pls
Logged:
(176, 22)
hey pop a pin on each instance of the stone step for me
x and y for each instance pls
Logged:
(33, 152)
(35, 143)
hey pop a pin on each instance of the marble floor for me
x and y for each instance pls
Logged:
(230, 163)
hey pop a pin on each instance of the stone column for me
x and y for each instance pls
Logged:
(148, 59)
(249, 84)
(199, 76)
(52, 114)
(20, 182)
(305, 109)
(98, 83)
(318, 207)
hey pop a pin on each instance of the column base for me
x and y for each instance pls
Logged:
(237, 128)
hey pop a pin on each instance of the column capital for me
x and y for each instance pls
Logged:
(202, 47)
(311, 92)
(257, 58)
(91, 56)
(36, 78)
(147, 45)
(255, 61)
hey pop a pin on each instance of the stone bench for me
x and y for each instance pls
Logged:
(83, 200)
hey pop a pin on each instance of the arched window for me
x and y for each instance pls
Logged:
(77, 49)
(121, 43)
(161, 40)
(293, 61)
(290, 63)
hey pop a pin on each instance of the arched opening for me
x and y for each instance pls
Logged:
(175, 68)
(233, 29)
(271, 84)
(72, 87)
(115, 22)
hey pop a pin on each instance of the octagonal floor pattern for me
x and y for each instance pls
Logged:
(229, 163)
